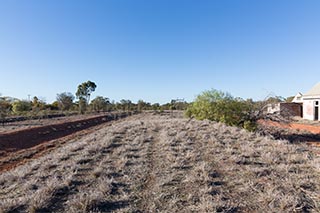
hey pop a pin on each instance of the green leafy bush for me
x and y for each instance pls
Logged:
(21, 106)
(222, 107)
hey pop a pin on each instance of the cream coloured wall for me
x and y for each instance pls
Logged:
(309, 107)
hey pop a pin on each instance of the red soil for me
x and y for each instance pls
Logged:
(296, 126)
(20, 146)
(11, 160)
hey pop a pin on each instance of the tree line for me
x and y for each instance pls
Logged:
(79, 102)
(212, 104)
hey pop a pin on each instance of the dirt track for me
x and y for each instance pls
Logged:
(160, 163)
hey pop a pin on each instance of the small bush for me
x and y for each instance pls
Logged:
(5, 109)
(21, 106)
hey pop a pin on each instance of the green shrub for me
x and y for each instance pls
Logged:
(222, 107)
(21, 106)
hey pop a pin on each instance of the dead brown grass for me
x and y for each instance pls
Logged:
(165, 163)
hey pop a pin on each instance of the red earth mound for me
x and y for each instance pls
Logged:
(312, 138)
(294, 126)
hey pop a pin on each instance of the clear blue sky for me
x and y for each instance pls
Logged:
(158, 50)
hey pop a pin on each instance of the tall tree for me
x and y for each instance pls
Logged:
(83, 94)
(85, 89)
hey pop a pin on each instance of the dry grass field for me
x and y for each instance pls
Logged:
(166, 163)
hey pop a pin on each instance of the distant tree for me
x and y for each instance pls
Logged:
(65, 100)
(142, 105)
(126, 104)
(35, 101)
(85, 89)
(5, 108)
(37, 105)
(289, 99)
(100, 104)
(117, 106)
(178, 104)
(83, 94)
(112, 106)
(53, 106)
(274, 99)
(21, 106)
(166, 106)
(155, 106)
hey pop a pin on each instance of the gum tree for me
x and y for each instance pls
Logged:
(83, 94)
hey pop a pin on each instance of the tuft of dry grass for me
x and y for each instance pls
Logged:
(165, 163)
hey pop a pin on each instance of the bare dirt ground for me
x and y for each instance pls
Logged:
(165, 163)
(296, 132)
(312, 128)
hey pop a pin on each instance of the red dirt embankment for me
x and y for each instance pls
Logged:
(309, 134)
(20, 146)
(23, 139)
(293, 126)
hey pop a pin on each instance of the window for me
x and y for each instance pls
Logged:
(316, 103)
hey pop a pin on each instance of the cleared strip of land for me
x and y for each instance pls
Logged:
(150, 162)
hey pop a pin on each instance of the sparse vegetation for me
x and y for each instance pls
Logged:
(165, 163)
(5, 108)
(100, 104)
